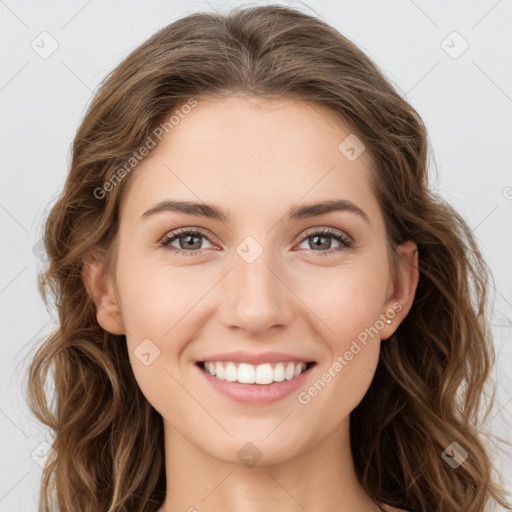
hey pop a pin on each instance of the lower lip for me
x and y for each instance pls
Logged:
(255, 394)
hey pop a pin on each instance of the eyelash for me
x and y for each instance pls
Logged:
(345, 242)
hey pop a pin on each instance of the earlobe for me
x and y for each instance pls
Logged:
(99, 286)
(403, 287)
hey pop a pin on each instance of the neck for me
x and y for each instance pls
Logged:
(321, 478)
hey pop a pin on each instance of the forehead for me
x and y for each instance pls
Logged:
(244, 149)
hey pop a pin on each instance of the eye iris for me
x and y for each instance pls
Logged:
(326, 245)
(188, 244)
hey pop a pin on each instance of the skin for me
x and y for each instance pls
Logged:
(255, 159)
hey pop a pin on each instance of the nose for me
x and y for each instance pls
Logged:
(258, 296)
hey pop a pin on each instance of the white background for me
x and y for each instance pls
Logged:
(466, 103)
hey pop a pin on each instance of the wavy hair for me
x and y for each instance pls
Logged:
(428, 389)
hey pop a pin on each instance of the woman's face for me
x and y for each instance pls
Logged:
(261, 279)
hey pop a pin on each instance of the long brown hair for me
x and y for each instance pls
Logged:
(428, 388)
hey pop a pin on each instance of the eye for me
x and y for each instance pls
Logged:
(191, 244)
(316, 240)
(189, 241)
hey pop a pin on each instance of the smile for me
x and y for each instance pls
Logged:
(245, 373)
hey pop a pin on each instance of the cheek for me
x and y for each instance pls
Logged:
(346, 308)
(346, 300)
(157, 302)
(349, 309)
(162, 310)
(157, 315)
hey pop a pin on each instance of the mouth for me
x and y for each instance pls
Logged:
(261, 374)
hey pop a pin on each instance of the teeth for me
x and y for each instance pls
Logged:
(231, 373)
(254, 374)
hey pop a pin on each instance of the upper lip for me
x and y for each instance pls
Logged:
(252, 358)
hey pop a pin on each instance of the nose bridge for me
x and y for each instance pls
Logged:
(257, 297)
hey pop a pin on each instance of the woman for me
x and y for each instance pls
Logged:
(262, 304)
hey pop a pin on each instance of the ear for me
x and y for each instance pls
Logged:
(402, 288)
(99, 286)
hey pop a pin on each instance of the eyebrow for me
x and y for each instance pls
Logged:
(302, 211)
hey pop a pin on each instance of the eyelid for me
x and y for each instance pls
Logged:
(327, 231)
(176, 233)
